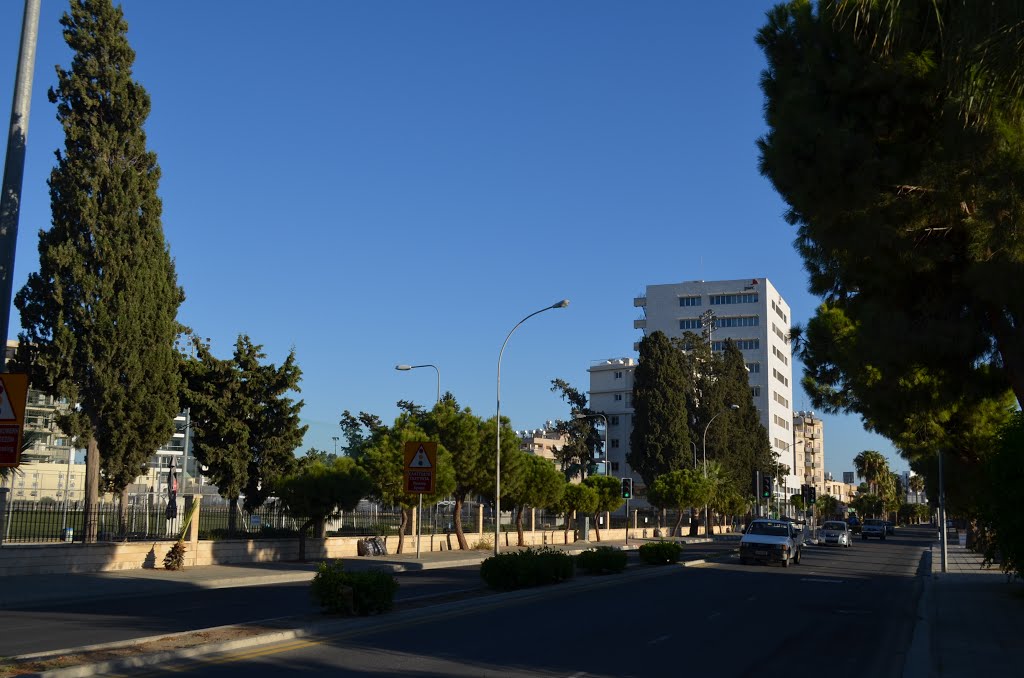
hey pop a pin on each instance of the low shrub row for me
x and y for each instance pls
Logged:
(526, 568)
(603, 560)
(353, 593)
(660, 552)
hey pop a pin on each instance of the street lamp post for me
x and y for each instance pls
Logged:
(419, 514)
(607, 462)
(497, 427)
(406, 368)
(335, 439)
(731, 407)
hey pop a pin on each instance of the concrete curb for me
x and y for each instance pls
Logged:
(918, 662)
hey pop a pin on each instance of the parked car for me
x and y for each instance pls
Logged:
(771, 541)
(835, 532)
(873, 527)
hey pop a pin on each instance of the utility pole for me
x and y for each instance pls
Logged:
(14, 163)
(942, 515)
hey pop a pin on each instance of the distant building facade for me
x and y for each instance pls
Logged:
(809, 448)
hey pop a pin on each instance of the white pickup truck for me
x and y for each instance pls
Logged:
(771, 541)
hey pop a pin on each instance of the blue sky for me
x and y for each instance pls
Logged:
(402, 182)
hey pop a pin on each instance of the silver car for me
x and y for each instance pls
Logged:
(836, 532)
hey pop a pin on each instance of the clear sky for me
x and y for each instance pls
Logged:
(374, 183)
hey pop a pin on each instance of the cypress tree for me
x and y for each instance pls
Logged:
(660, 439)
(99, 316)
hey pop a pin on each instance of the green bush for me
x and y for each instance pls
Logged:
(353, 593)
(660, 552)
(526, 568)
(603, 560)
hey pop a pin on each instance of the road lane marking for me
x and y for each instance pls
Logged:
(716, 614)
(658, 640)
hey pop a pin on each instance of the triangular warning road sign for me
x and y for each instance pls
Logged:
(6, 411)
(420, 459)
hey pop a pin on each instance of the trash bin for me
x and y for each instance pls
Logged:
(69, 534)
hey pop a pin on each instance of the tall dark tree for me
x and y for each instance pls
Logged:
(245, 425)
(660, 439)
(275, 430)
(894, 137)
(576, 457)
(99, 315)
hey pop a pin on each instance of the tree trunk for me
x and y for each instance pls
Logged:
(694, 522)
(597, 528)
(122, 514)
(568, 518)
(678, 529)
(232, 516)
(302, 539)
(401, 528)
(458, 523)
(92, 491)
(519, 525)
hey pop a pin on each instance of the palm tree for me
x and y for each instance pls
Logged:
(917, 484)
(872, 467)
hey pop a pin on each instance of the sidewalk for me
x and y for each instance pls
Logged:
(24, 590)
(971, 618)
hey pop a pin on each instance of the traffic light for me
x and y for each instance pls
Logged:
(805, 494)
(766, 486)
(812, 493)
(627, 488)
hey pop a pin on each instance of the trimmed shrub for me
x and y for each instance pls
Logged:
(526, 568)
(660, 552)
(603, 560)
(352, 593)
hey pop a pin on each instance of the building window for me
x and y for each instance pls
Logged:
(618, 396)
(689, 324)
(737, 321)
(778, 309)
(780, 399)
(754, 368)
(782, 444)
(781, 422)
(781, 377)
(726, 299)
(755, 391)
(618, 375)
(689, 301)
(741, 344)
(779, 333)
(780, 355)
(614, 442)
(615, 466)
(613, 420)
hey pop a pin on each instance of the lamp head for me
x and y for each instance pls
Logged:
(562, 304)
(403, 368)
(734, 407)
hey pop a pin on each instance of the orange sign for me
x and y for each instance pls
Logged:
(13, 397)
(420, 468)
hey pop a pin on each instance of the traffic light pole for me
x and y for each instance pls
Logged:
(627, 521)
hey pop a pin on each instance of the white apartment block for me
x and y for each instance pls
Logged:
(752, 313)
(809, 450)
(611, 393)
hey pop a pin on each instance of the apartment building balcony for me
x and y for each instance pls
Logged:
(639, 301)
(640, 324)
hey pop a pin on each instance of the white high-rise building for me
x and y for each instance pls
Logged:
(752, 313)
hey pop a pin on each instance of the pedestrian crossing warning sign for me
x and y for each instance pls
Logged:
(13, 395)
(420, 466)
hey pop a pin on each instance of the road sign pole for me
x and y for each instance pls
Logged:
(419, 526)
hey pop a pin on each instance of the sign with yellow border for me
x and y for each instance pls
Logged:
(420, 468)
(13, 397)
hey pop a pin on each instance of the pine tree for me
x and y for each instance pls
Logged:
(99, 315)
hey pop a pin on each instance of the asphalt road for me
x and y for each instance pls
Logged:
(40, 628)
(842, 612)
(49, 626)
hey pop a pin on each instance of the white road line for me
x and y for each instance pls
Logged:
(658, 640)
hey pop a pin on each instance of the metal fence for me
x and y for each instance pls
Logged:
(30, 522)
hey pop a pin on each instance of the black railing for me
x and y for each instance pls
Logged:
(29, 522)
